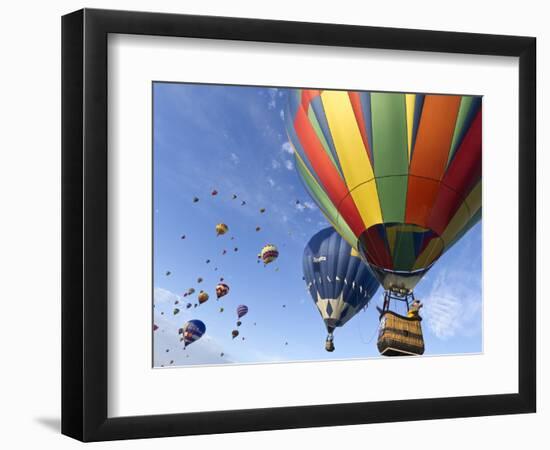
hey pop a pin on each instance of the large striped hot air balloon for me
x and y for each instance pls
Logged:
(338, 281)
(397, 175)
(192, 331)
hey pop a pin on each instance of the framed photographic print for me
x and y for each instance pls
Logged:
(273, 224)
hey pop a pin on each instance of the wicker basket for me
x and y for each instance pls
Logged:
(399, 335)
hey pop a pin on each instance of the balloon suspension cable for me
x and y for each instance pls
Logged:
(375, 331)
(397, 295)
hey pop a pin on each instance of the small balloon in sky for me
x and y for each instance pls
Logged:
(221, 229)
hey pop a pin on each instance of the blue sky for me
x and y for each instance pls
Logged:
(233, 140)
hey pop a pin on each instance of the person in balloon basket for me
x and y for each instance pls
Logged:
(414, 309)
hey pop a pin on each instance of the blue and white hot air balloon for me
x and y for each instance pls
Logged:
(338, 281)
(192, 331)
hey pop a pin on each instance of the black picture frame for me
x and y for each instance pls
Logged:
(84, 224)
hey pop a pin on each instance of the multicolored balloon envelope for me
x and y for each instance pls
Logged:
(338, 281)
(192, 331)
(397, 175)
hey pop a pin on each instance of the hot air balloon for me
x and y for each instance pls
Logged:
(155, 327)
(222, 289)
(234, 333)
(192, 331)
(176, 311)
(202, 297)
(199, 280)
(269, 254)
(214, 192)
(338, 281)
(239, 323)
(262, 210)
(195, 199)
(241, 311)
(397, 175)
(188, 305)
(221, 229)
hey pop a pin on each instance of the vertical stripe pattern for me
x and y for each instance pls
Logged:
(397, 175)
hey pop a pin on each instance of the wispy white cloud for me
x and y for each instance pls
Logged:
(271, 181)
(272, 104)
(289, 164)
(234, 158)
(302, 206)
(452, 308)
(275, 164)
(282, 114)
(287, 147)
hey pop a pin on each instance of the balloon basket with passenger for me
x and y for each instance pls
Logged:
(400, 335)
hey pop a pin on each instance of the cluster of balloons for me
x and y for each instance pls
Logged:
(397, 175)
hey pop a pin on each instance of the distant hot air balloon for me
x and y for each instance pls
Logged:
(262, 210)
(214, 192)
(338, 281)
(155, 327)
(199, 280)
(202, 297)
(190, 291)
(397, 175)
(241, 311)
(234, 333)
(234, 196)
(221, 229)
(176, 311)
(188, 305)
(195, 199)
(222, 289)
(239, 323)
(269, 254)
(192, 331)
